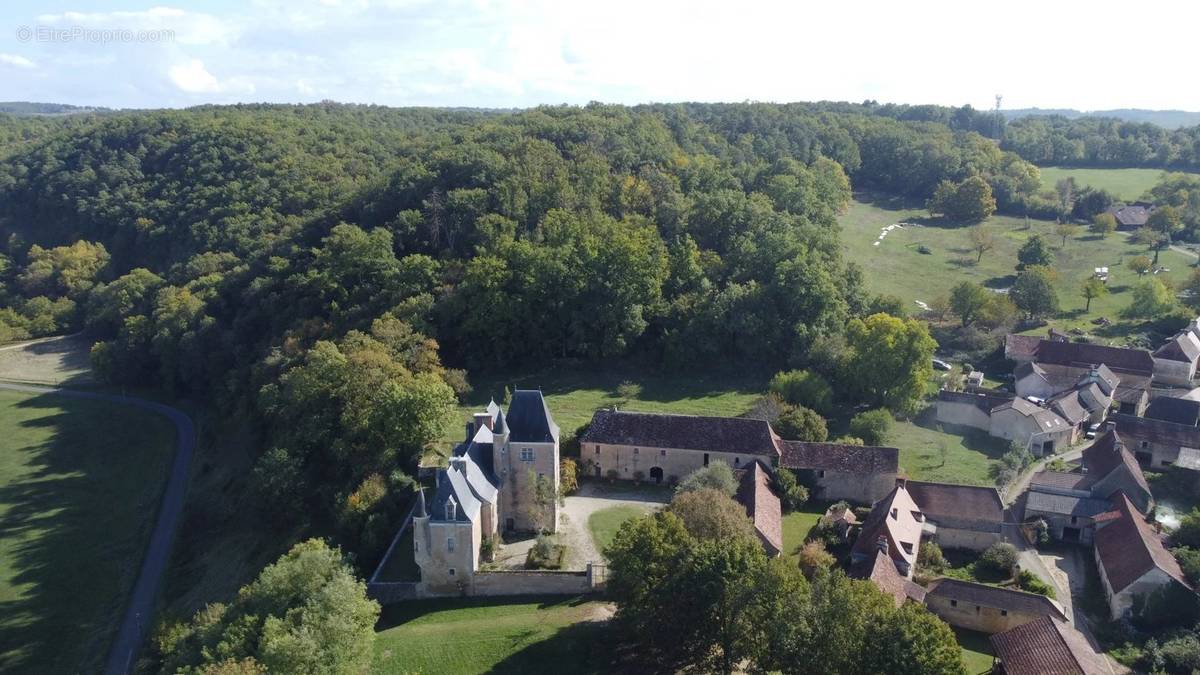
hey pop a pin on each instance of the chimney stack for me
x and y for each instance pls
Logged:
(483, 419)
(881, 543)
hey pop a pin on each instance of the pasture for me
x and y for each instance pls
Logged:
(1125, 184)
(80, 483)
(898, 267)
(523, 635)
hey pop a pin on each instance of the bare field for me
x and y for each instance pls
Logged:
(61, 360)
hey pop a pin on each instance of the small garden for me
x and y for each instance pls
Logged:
(996, 566)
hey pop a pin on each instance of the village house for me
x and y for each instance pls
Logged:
(985, 608)
(1131, 216)
(1158, 444)
(1045, 646)
(959, 516)
(1070, 502)
(1041, 429)
(1185, 411)
(762, 505)
(893, 528)
(1131, 558)
(664, 448)
(490, 483)
(1175, 361)
(855, 473)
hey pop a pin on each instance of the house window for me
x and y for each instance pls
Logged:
(635, 451)
(907, 546)
(1074, 519)
(977, 609)
(450, 544)
(1167, 462)
(1145, 444)
(1004, 612)
(737, 461)
(706, 459)
(954, 603)
(451, 571)
(821, 473)
(541, 476)
(526, 454)
(597, 449)
(662, 453)
(417, 545)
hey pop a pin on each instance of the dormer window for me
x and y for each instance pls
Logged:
(907, 546)
(895, 514)
(451, 510)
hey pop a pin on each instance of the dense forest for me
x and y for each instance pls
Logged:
(333, 272)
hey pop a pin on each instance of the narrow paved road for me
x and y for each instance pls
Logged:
(140, 610)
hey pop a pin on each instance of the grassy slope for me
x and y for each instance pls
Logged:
(796, 525)
(79, 486)
(604, 524)
(895, 267)
(1126, 184)
(976, 650)
(476, 636)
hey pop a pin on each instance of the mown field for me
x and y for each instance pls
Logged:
(896, 266)
(80, 483)
(522, 635)
(1125, 184)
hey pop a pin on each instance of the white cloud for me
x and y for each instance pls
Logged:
(194, 78)
(17, 61)
(189, 28)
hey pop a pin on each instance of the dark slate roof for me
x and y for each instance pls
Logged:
(882, 571)
(1183, 347)
(1175, 410)
(1069, 406)
(739, 435)
(983, 401)
(1021, 347)
(1062, 480)
(762, 505)
(1157, 431)
(1107, 454)
(1083, 354)
(452, 484)
(1102, 375)
(1046, 647)
(1129, 547)
(529, 419)
(996, 597)
(1065, 505)
(946, 501)
(857, 459)
(1130, 215)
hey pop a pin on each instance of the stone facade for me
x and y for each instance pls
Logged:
(975, 540)
(658, 465)
(973, 616)
(852, 487)
(519, 466)
(985, 608)
(963, 414)
(1175, 373)
(447, 553)
(1121, 603)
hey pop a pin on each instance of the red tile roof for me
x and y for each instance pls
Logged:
(1107, 454)
(1129, 547)
(763, 507)
(898, 520)
(1046, 647)
(1084, 354)
(882, 571)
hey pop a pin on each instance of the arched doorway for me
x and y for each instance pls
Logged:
(656, 474)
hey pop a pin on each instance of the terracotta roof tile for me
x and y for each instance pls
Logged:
(942, 501)
(883, 573)
(763, 507)
(1128, 547)
(1046, 647)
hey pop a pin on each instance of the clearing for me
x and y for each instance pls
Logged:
(976, 651)
(603, 524)
(969, 459)
(80, 484)
(491, 635)
(897, 267)
(1126, 184)
(61, 360)
(797, 525)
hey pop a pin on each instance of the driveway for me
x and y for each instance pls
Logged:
(140, 611)
(593, 497)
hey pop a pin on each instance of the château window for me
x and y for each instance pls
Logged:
(1004, 612)
(526, 454)
(954, 603)
(597, 449)
(451, 571)
(417, 545)
(820, 473)
(635, 451)
(450, 544)
(662, 453)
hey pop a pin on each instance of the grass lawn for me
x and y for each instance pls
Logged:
(79, 488)
(968, 459)
(1126, 184)
(797, 525)
(604, 523)
(976, 650)
(496, 636)
(896, 268)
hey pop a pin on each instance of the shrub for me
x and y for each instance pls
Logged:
(639, 475)
(791, 493)
(813, 558)
(798, 423)
(872, 426)
(999, 558)
(930, 557)
(568, 472)
(487, 547)
(717, 476)
(803, 388)
(1189, 560)
(1028, 581)
(711, 515)
(545, 554)
(612, 474)
(1188, 533)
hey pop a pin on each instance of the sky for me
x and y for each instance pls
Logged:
(499, 53)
